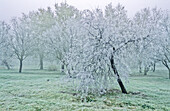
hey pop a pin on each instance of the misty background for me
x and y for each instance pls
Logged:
(15, 8)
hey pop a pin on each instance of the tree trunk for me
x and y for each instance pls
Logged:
(121, 86)
(154, 66)
(41, 61)
(6, 64)
(116, 73)
(69, 70)
(146, 69)
(169, 73)
(20, 66)
(62, 68)
(140, 67)
(165, 63)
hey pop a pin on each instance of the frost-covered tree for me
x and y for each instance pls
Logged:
(59, 42)
(101, 53)
(153, 26)
(147, 26)
(64, 12)
(59, 37)
(21, 40)
(5, 52)
(166, 43)
(56, 43)
(4, 30)
(162, 42)
(41, 21)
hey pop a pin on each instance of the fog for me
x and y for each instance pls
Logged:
(14, 8)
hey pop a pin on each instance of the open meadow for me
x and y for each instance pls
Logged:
(36, 90)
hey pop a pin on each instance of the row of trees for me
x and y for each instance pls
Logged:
(94, 46)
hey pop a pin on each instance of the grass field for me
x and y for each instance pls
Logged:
(35, 90)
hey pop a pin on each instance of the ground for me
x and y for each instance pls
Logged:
(35, 90)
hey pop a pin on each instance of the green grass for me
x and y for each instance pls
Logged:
(36, 90)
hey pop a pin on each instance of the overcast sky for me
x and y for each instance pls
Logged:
(14, 8)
